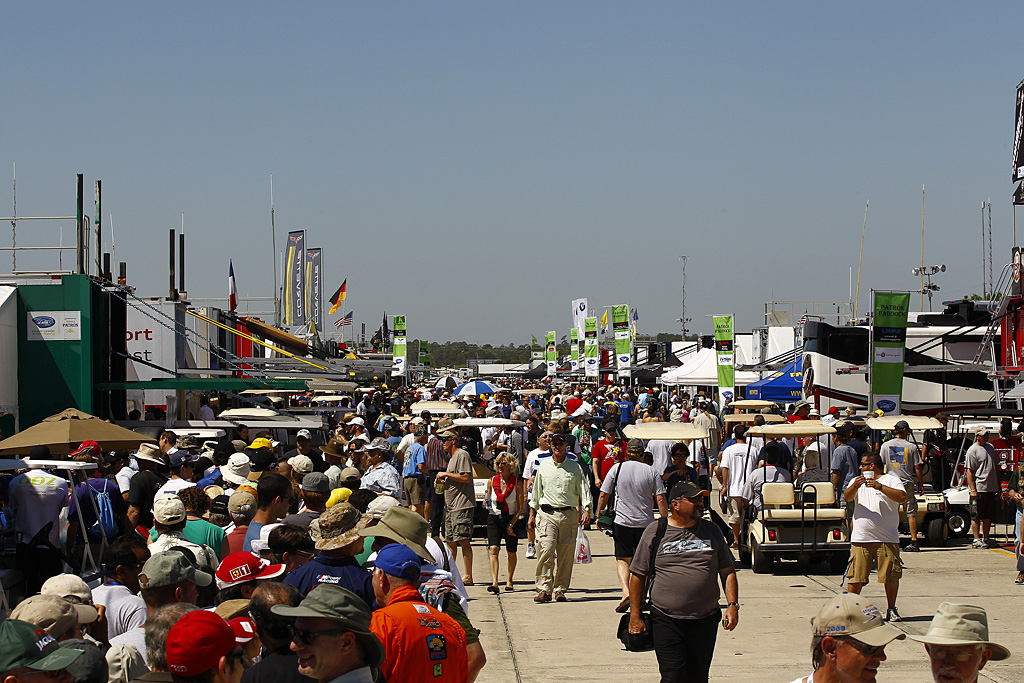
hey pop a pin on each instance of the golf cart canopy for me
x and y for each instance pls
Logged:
(749, 418)
(487, 422)
(789, 430)
(888, 422)
(435, 408)
(665, 430)
(752, 404)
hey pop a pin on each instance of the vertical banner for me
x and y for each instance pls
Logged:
(551, 354)
(591, 358)
(295, 279)
(574, 351)
(580, 310)
(398, 349)
(424, 358)
(314, 287)
(726, 358)
(888, 339)
(620, 326)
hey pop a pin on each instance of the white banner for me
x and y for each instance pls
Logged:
(580, 312)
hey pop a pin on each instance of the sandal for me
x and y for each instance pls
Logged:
(493, 589)
(1020, 578)
(509, 589)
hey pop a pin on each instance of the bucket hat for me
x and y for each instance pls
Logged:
(955, 624)
(402, 525)
(339, 526)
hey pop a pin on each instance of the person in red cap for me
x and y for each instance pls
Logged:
(87, 451)
(239, 573)
(203, 647)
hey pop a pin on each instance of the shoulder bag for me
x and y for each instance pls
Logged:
(643, 641)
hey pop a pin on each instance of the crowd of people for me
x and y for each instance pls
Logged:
(247, 559)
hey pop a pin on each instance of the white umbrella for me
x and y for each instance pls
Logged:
(476, 387)
(446, 382)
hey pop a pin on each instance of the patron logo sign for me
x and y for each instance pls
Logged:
(54, 326)
(888, 339)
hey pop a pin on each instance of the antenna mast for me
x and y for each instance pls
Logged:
(990, 280)
(14, 222)
(683, 319)
(273, 252)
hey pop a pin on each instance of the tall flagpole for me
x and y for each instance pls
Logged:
(273, 252)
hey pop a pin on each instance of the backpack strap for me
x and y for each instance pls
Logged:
(659, 536)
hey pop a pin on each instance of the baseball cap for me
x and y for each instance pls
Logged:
(197, 642)
(261, 443)
(302, 464)
(181, 457)
(168, 509)
(25, 645)
(241, 503)
(357, 421)
(303, 434)
(635, 446)
(346, 608)
(244, 628)
(87, 448)
(315, 482)
(51, 613)
(242, 567)
(350, 475)
(686, 489)
(416, 420)
(901, 426)
(72, 588)
(851, 615)
(396, 559)
(168, 568)
(379, 505)
(379, 444)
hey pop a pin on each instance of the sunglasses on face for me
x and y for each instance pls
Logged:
(863, 648)
(960, 654)
(307, 637)
(867, 464)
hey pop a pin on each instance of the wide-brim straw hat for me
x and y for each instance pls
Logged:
(955, 624)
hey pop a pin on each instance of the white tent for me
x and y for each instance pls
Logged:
(702, 370)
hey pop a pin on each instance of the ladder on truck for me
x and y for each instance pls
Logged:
(988, 341)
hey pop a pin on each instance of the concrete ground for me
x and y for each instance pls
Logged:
(575, 641)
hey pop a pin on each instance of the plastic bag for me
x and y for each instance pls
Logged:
(582, 548)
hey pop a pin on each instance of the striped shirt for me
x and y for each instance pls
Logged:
(437, 459)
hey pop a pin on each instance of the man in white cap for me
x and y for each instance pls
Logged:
(848, 641)
(958, 644)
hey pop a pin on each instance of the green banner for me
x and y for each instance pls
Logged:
(620, 327)
(574, 350)
(551, 353)
(424, 353)
(888, 340)
(398, 348)
(591, 355)
(725, 357)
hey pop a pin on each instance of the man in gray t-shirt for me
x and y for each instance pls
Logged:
(636, 487)
(903, 459)
(983, 481)
(690, 561)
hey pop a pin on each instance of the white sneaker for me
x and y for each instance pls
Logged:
(531, 551)
(978, 543)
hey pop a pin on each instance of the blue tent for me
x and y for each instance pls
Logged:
(782, 386)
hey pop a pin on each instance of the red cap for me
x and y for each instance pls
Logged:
(244, 628)
(243, 566)
(87, 448)
(834, 410)
(197, 642)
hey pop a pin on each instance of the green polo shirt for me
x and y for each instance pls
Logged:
(560, 485)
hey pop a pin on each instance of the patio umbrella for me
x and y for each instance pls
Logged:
(446, 382)
(475, 388)
(64, 432)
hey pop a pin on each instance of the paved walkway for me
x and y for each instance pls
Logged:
(575, 641)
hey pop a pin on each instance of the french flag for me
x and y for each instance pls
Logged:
(232, 289)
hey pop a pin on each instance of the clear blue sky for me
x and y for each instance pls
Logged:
(478, 165)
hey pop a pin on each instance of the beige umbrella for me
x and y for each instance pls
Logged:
(64, 432)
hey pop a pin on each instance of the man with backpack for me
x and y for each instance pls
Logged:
(104, 510)
(683, 557)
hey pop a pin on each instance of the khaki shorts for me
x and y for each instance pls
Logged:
(890, 568)
(736, 507)
(458, 525)
(911, 505)
(415, 490)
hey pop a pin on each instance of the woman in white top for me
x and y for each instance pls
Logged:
(506, 503)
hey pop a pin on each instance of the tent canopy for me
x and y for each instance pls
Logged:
(701, 369)
(783, 386)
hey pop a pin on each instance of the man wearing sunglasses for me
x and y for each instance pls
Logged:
(331, 636)
(875, 535)
(848, 641)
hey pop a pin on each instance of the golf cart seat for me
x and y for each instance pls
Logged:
(782, 493)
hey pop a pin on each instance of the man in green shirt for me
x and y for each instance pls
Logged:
(559, 503)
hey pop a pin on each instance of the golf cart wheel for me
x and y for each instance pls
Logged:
(936, 532)
(760, 563)
(838, 561)
(959, 523)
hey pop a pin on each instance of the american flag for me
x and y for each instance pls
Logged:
(803, 319)
(345, 320)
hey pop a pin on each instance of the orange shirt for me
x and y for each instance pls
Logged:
(422, 645)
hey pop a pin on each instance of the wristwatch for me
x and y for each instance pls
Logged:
(734, 604)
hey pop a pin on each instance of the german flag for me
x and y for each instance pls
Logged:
(338, 297)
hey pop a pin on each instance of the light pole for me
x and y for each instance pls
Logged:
(928, 287)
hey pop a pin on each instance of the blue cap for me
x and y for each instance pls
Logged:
(181, 456)
(396, 559)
